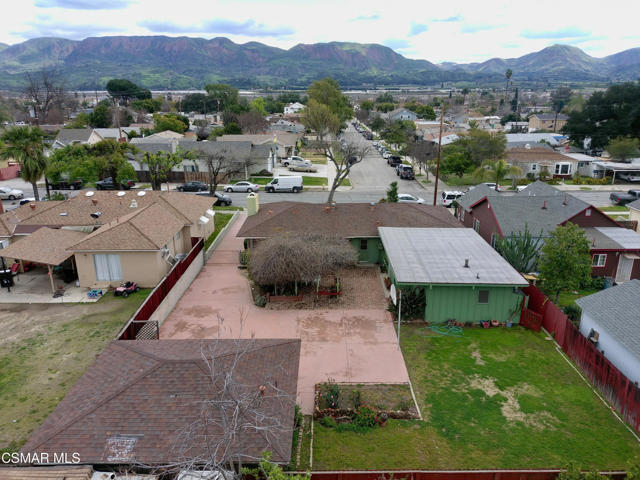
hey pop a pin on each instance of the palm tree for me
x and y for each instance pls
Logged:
(507, 75)
(24, 144)
(495, 171)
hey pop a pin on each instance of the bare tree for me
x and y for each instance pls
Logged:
(221, 164)
(252, 122)
(44, 89)
(307, 258)
(424, 153)
(343, 155)
(244, 405)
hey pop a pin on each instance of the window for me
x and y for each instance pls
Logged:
(587, 212)
(534, 167)
(599, 260)
(493, 240)
(476, 224)
(108, 267)
(483, 296)
(363, 244)
(563, 168)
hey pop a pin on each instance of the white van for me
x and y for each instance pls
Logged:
(284, 184)
(448, 197)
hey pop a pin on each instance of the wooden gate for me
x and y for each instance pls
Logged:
(531, 319)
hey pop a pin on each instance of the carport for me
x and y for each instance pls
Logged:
(46, 246)
(617, 167)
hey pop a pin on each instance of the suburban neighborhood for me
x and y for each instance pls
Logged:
(329, 280)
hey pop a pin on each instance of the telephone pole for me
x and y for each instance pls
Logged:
(435, 190)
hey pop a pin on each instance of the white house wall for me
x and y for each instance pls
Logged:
(613, 350)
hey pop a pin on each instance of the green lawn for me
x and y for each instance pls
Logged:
(614, 208)
(45, 349)
(261, 180)
(220, 220)
(454, 180)
(314, 181)
(497, 398)
(568, 297)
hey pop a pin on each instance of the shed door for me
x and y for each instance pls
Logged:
(625, 264)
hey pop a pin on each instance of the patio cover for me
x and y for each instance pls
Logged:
(45, 245)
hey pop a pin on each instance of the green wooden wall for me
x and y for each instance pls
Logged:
(373, 252)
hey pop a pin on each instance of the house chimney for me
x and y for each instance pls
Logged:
(262, 389)
(466, 263)
(544, 205)
(32, 205)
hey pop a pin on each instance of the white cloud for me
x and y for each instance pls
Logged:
(462, 31)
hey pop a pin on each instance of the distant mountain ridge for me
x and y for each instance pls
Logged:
(185, 62)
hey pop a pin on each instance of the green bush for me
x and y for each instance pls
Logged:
(263, 173)
(597, 283)
(331, 394)
(260, 301)
(572, 311)
(356, 398)
(298, 417)
(413, 304)
(365, 417)
(328, 422)
(531, 176)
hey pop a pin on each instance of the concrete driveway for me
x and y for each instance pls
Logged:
(344, 345)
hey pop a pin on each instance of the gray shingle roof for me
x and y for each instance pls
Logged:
(437, 256)
(70, 135)
(476, 194)
(635, 204)
(616, 311)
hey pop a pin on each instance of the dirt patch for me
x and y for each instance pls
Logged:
(361, 288)
(510, 408)
(478, 358)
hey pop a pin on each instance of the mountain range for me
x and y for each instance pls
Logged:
(161, 62)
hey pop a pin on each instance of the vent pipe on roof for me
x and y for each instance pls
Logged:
(94, 201)
(466, 263)
(32, 205)
(544, 205)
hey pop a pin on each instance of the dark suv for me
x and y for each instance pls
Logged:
(394, 160)
(109, 184)
(406, 172)
(67, 185)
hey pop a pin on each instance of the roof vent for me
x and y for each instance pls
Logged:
(96, 214)
(62, 214)
(203, 219)
(32, 205)
(134, 204)
(142, 194)
(466, 263)
(544, 205)
(89, 194)
(210, 212)
(527, 146)
(121, 194)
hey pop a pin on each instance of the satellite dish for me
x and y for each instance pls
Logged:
(142, 194)
(120, 194)
(89, 194)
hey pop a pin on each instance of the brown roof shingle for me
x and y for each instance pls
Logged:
(348, 220)
(536, 154)
(140, 395)
(45, 245)
(147, 228)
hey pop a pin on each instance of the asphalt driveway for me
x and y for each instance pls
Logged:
(358, 345)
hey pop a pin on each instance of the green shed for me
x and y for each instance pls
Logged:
(463, 277)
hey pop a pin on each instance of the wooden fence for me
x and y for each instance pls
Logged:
(621, 392)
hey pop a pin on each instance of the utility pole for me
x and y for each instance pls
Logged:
(435, 190)
(115, 104)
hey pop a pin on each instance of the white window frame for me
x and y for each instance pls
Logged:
(108, 267)
(558, 168)
(599, 260)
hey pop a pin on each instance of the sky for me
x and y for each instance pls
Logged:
(462, 31)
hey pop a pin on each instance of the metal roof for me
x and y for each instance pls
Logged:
(616, 310)
(438, 255)
(625, 237)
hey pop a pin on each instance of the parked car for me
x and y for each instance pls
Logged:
(63, 184)
(8, 193)
(623, 198)
(405, 172)
(294, 160)
(242, 186)
(284, 184)
(449, 196)
(305, 167)
(24, 201)
(408, 198)
(220, 198)
(193, 187)
(394, 160)
(386, 154)
(630, 177)
(109, 184)
(125, 289)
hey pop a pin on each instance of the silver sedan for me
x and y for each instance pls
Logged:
(243, 186)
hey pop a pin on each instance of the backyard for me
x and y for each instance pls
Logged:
(45, 349)
(496, 398)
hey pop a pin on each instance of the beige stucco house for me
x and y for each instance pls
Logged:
(126, 236)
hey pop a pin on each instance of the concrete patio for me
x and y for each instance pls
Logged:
(347, 345)
(34, 286)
